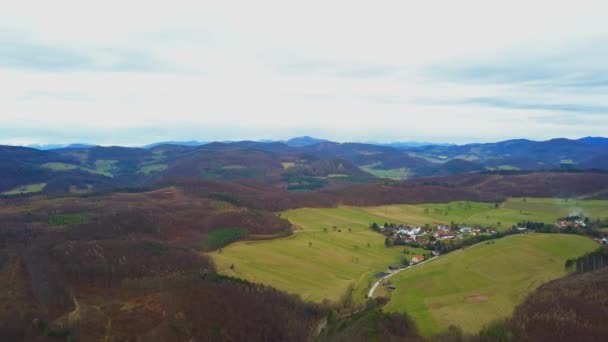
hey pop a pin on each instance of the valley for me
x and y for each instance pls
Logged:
(333, 252)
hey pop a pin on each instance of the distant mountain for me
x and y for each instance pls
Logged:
(179, 143)
(595, 141)
(46, 147)
(304, 141)
(299, 163)
(405, 144)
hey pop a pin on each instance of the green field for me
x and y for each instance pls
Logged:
(153, 168)
(25, 189)
(472, 287)
(105, 165)
(396, 174)
(67, 167)
(511, 212)
(314, 263)
(319, 262)
(67, 219)
(288, 165)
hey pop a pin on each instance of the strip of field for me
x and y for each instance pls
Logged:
(472, 287)
(504, 216)
(68, 167)
(25, 189)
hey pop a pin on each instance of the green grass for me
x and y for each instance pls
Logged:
(230, 172)
(25, 189)
(511, 212)
(472, 287)
(105, 165)
(337, 175)
(152, 168)
(317, 264)
(287, 165)
(503, 168)
(59, 167)
(233, 167)
(396, 174)
(221, 237)
(67, 219)
(313, 263)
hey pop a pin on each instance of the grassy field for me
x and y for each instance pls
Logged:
(25, 189)
(67, 167)
(287, 165)
(319, 262)
(153, 168)
(506, 215)
(67, 219)
(396, 174)
(472, 287)
(315, 263)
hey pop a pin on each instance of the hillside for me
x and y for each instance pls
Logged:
(126, 265)
(581, 298)
(472, 287)
(334, 248)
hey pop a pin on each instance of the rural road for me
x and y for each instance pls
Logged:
(373, 289)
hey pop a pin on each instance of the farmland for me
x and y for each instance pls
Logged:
(472, 287)
(320, 261)
(314, 263)
(102, 170)
(396, 174)
(25, 189)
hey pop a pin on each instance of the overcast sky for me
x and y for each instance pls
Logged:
(134, 72)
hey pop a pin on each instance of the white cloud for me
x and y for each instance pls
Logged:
(347, 70)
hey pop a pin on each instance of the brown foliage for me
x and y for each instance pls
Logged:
(568, 309)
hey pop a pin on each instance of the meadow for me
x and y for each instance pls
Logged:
(396, 174)
(475, 286)
(104, 166)
(318, 261)
(25, 189)
(333, 248)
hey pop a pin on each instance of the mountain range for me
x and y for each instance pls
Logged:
(298, 164)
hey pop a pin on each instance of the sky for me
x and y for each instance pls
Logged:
(136, 72)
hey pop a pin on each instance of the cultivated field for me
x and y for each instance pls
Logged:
(319, 262)
(472, 287)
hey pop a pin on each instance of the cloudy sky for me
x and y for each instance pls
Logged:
(133, 72)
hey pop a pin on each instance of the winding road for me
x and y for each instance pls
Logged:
(370, 294)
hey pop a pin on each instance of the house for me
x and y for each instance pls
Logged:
(412, 231)
(417, 258)
(447, 235)
(441, 226)
(465, 230)
(522, 229)
(392, 287)
(493, 231)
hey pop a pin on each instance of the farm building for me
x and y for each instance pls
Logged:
(417, 258)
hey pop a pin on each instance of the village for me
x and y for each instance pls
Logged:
(441, 238)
